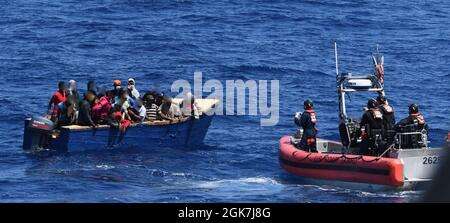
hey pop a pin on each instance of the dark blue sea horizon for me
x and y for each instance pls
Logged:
(157, 42)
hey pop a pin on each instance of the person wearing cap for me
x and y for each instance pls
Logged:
(371, 129)
(307, 120)
(132, 91)
(117, 86)
(387, 111)
(414, 118)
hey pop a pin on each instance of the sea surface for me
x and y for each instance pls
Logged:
(157, 42)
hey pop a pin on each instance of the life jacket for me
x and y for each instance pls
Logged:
(387, 108)
(419, 117)
(312, 114)
(376, 113)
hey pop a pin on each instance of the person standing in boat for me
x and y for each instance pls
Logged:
(387, 111)
(307, 120)
(59, 96)
(371, 129)
(388, 118)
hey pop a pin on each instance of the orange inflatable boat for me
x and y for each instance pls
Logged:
(328, 166)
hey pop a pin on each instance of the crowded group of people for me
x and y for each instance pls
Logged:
(118, 107)
(377, 125)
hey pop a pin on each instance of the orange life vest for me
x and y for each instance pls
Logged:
(387, 108)
(312, 114)
(418, 117)
(376, 113)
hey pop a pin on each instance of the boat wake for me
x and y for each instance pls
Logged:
(248, 181)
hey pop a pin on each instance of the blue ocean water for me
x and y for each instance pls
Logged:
(158, 42)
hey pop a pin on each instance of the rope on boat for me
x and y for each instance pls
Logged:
(329, 159)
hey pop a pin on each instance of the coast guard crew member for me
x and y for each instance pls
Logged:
(307, 120)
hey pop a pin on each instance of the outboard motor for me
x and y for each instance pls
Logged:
(350, 133)
(38, 132)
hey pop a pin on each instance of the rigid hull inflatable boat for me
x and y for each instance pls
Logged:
(408, 163)
(40, 135)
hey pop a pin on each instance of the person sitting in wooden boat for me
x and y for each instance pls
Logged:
(72, 91)
(101, 108)
(371, 129)
(189, 107)
(117, 86)
(59, 96)
(85, 109)
(307, 120)
(131, 88)
(139, 110)
(126, 103)
(150, 106)
(66, 113)
(116, 118)
(168, 110)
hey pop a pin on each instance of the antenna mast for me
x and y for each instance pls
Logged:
(336, 57)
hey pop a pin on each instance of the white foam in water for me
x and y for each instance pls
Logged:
(104, 167)
(259, 180)
(248, 180)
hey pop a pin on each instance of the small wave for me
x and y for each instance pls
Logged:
(264, 68)
(104, 167)
(248, 180)
(259, 180)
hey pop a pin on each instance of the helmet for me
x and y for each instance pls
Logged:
(413, 108)
(381, 99)
(372, 103)
(117, 83)
(308, 104)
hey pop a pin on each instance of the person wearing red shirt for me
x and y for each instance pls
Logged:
(59, 96)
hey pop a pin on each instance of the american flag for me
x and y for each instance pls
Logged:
(379, 67)
(379, 72)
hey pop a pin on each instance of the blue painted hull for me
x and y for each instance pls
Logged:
(185, 134)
